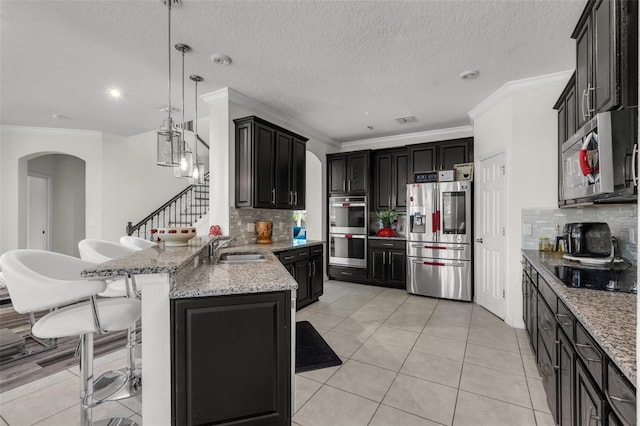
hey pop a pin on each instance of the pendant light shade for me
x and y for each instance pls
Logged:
(169, 141)
(197, 177)
(184, 169)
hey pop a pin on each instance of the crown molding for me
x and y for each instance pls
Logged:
(512, 87)
(267, 113)
(409, 138)
(49, 131)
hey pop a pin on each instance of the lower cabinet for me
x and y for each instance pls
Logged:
(231, 360)
(387, 262)
(589, 403)
(305, 265)
(566, 376)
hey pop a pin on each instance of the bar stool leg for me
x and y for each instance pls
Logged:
(86, 379)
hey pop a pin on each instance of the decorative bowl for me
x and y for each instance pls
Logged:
(387, 232)
(175, 236)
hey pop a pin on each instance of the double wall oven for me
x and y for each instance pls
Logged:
(348, 220)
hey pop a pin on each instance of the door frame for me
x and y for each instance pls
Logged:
(504, 151)
(49, 180)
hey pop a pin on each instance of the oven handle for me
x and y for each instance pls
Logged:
(348, 236)
(349, 205)
(425, 262)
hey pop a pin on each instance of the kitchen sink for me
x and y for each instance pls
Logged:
(242, 258)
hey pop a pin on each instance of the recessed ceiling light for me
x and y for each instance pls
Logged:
(59, 116)
(469, 75)
(115, 93)
(369, 128)
(219, 59)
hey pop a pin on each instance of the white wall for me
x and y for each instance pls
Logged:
(522, 123)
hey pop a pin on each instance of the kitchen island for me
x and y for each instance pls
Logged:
(188, 291)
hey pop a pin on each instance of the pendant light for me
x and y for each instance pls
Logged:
(168, 139)
(197, 177)
(184, 169)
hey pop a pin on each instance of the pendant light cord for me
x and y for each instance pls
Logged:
(169, 50)
(196, 123)
(184, 141)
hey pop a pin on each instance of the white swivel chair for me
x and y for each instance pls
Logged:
(41, 280)
(136, 243)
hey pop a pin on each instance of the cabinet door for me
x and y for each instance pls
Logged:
(532, 325)
(302, 276)
(589, 405)
(562, 123)
(382, 181)
(422, 158)
(264, 163)
(583, 72)
(244, 165)
(299, 160)
(337, 173)
(377, 265)
(244, 340)
(604, 61)
(454, 152)
(570, 106)
(358, 173)
(525, 299)
(317, 279)
(399, 189)
(282, 170)
(396, 268)
(566, 361)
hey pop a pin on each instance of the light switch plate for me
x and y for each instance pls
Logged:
(526, 229)
(251, 227)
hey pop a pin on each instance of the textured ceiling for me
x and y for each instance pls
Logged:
(337, 67)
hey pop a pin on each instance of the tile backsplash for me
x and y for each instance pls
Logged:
(239, 220)
(622, 219)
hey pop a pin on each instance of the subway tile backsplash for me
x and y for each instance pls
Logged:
(239, 220)
(622, 219)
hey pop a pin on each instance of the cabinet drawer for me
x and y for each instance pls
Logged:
(548, 294)
(301, 254)
(347, 274)
(288, 256)
(621, 396)
(590, 353)
(316, 250)
(566, 320)
(546, 325)
(387, 244)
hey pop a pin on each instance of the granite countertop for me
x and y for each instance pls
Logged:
(610, 317)
(398, 238)
(285, 245)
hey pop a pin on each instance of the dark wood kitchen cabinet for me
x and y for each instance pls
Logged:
(566, 107)
(305, 266)
(389, 175)
(270, 165)
(566, 377)
(606, 57)
(439, 155)
(348, 173)
(231, 360)
(589, 407)
(387, 262)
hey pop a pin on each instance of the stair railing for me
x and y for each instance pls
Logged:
(182, 210)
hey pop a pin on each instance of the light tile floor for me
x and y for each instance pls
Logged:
(407, 360)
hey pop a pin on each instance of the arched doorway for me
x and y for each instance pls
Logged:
(314, 197)
(55, 203)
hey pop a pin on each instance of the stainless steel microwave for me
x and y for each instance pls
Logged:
(600, 162)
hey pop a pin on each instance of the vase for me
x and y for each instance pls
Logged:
(264, 230)
(387, 232)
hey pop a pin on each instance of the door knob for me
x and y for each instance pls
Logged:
(479, 240)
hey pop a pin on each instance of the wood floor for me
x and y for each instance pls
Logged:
(44, 363)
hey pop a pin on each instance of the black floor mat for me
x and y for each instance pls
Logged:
(312, 352)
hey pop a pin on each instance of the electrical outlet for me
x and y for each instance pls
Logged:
(251, 227)
(526, 229)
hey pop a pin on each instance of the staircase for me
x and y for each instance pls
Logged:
(184, 209)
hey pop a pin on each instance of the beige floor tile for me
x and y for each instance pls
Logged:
(377, 314)
(364, 380)
(321, 375)
(495, 384)
(395, 337)
(331, 406)
(407, 322)
(451, 317)
(485, 319)
(43, 403)
(423, 398)
(27, 388)
(424, 301)
(304, 315)
(538, 395)
(134, 404)
(381, 355)
(476, 410)
(341, 309)
(525, 347)
(116, 358)
(323, 322)
(343, 344)
(389, 416)
(359, 329)
(305, 388)
(434, 368)
(3, 423)
(423, 311)
(505, 339)
(530, 367)
(71, 416)
(544, 419)
(497, 359)
(137, 418)
(443, 329)
(441, 346)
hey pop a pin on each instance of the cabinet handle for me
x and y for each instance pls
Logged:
(288, 257)
(584, 93)
(295, 198)
(310, 269)
(389, 201)
(619, 399)
(634, 163)
(346, 273)
(387, 244)
(541, 322)
(344, 185)
(589, 109)
(349, 185)
(389, 258)
(384, 258)
(615, 409)
(273, 196)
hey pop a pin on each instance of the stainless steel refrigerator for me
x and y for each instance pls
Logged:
(439, 240)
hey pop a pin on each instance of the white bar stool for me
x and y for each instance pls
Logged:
(41, 280)
(136, 243)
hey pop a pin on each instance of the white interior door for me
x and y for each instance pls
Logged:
(490, 265)
(39, 211)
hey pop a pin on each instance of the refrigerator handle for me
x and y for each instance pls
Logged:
(438, 219)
